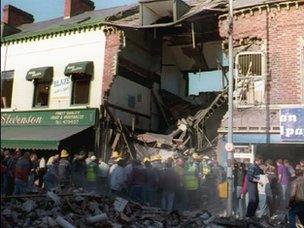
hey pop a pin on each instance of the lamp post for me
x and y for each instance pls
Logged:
(230, 112)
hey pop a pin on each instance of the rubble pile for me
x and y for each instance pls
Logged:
(89, 210)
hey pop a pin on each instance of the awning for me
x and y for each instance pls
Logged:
(41, 74)
(37, 137)
(85, 68)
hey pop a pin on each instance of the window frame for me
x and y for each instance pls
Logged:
(73, 79)
(255, 78)
(12, 92)
(35, 82)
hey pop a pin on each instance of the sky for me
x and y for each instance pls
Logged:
(47, 9)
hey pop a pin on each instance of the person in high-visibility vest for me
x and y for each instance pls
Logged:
(191, 182)
(92, 171)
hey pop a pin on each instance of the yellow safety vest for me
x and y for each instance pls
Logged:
(190, 179)
(91, 175)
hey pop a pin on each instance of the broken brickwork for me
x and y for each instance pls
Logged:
(280, 27)
(112, 48)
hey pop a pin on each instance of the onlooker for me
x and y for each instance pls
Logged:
(51, 178)
(265, 195)
(296, 201)
(283, 180)
(169, 181)
(253, 178)
(239, 175)
(22, 171)
(41, 171)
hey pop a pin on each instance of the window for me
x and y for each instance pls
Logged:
(7, 79)
(131, 101)
(41, 94)
(80, 90)
(250, 78)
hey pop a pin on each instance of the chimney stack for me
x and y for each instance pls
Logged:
(75, 7)
(15, 17)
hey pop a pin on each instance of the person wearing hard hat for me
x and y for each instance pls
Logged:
(157, 166)
(79, 169)
(113, 160)
(64, 169)
(169, 182)
(136, 182)
(92, 171)
(180, 191)
(118, 177)
(191, 182)
(150, 185)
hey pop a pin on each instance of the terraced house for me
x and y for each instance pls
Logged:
(52, 77)
(134, 63)
(269, 79)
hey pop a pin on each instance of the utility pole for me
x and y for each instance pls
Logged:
(229, 145)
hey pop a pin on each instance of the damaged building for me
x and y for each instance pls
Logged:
(113, 75)
(150, 76)
(269, 76)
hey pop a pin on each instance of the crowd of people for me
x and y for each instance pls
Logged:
(266, 187)
(176, 183)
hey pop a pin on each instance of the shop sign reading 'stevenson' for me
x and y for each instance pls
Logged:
(54, 117)
(292, 124)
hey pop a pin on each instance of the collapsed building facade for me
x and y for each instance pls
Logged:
(140, 78)
(96, 79)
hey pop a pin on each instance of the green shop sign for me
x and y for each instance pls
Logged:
(51, 117)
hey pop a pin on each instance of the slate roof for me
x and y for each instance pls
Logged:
(123, 16)
(61, 24)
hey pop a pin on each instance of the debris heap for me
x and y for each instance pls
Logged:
(88, 210)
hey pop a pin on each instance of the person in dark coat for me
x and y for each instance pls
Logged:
(64, 169)
(169, 182)
(253, 179)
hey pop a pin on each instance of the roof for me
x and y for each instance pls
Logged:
(239, 4)
(122, 16)
(61, 24)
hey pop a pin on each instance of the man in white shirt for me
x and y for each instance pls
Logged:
(265, 196)
(118, 177)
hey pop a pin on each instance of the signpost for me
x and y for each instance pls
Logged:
(230, 113)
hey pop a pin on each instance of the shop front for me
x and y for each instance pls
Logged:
(284, 138)
(50, 130)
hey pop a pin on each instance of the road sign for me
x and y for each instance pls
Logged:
(229, 147)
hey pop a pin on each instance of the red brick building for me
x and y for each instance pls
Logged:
(269, 75)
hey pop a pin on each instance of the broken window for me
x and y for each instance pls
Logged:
(80, 90)
(250, 78)
(41, 94)
(7, 79)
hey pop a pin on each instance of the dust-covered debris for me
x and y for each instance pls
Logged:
(86, 210)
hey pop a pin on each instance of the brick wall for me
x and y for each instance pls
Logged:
(113, 44)
(15, 17)
(75, 7)
(281, 29)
